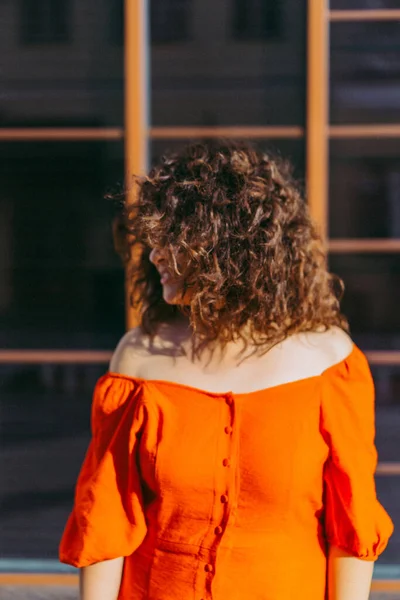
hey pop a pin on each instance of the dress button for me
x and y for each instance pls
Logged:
(218, 530)
(208, 568)
(224, 498)
(228, 429)
(226, 462)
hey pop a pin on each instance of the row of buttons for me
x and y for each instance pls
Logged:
(226, 462)
(209, 568)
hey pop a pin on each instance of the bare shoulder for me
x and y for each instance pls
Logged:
(324, 349)
(136, 349)
(131, 349)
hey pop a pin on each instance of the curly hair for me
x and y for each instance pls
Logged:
(254, 258)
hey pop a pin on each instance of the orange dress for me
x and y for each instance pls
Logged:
(224, 496)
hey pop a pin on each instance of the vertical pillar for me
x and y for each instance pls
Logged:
(317, 138)
(136, 99)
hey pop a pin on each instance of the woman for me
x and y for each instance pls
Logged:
(233, 451)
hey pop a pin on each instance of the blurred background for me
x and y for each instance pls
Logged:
(93, 89)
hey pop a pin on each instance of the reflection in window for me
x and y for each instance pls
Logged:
(169, 20)
(365, 71)
(61, 282)
(364, 189)
(45, 418)
(258, 19)
(372, 296)
(45, 21)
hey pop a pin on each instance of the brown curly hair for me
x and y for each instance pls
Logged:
(253, 255)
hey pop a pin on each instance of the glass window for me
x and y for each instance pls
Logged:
(215, 77)
(372, 297)
(169, 20)
(116, 21)
(388, 490)
(45, 433)
(62, 284)
(63, 67)
(364, 184)
(365, 70)
(387, 386)
(45, 21)
(257, 19)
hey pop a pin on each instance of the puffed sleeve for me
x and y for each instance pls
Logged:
(355, 521)
(107, 520)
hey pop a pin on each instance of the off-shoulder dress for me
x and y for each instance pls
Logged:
(217, 496)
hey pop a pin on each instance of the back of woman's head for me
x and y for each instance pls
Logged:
(251, 255)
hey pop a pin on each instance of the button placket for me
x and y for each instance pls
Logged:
(232, 475)
(229, 399)
(225, 497)
(228, 429)
(226, 462)
(226, 486)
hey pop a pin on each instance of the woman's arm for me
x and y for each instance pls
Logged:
(349, 578)
(102, 580)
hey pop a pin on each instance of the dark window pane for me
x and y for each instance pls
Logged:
(388, 490)
(45, 21)
(364, 189)
(169, 20)
(117, 21)
(363, 4)
(61, 281)
(44, 436)
(257, 19)
(44, 83)
(215, 78)
(372, 297)
(365, 71)
(387, 386)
